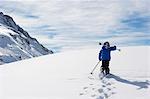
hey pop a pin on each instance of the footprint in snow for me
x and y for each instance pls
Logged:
(91, 84)
(93, 88)
(100, 90)
(109, 89)
(93, 95)
(109, 84)
(85, 87)
(103, 85)
(81, 94)
(100, 97)
(106, 95)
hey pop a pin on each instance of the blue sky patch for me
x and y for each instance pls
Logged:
(137, 22)
(31, 16)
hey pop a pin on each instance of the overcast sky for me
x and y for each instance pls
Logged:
(69, 24)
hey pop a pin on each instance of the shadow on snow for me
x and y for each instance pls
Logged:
(140, 84)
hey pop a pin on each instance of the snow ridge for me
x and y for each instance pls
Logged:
(16, 44)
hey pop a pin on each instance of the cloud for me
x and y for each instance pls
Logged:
(75, 23)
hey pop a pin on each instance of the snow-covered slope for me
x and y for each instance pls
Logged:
(15, 43)
(67, 76)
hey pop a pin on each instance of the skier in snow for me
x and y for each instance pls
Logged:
(105, 56)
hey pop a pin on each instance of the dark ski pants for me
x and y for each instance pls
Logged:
(105, 67)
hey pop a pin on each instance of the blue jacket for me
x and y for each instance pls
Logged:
(105, 53)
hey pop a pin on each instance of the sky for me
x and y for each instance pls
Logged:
(63, 25)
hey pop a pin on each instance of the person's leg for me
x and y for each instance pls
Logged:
(103, 67)
(102, 70)
(107, 67)
(107, 70)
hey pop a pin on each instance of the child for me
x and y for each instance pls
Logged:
(105, 57)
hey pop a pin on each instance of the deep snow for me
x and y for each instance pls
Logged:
(66, 75)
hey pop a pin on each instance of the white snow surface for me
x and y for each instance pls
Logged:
(67, 75)
(15, 43)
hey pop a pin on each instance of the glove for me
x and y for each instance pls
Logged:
(119, 49)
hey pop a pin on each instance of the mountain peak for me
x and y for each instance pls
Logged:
(16, 44)
(6, 20)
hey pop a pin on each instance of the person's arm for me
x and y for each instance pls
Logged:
(113, 48)
(100, 55)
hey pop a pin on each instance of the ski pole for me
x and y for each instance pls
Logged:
(95, 67)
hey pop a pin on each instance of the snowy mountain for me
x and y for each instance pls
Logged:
(15, 43)
(66, 75)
